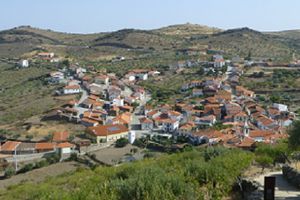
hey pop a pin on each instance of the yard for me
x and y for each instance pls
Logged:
(113, 155)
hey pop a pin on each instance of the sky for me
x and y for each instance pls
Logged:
(90, 16)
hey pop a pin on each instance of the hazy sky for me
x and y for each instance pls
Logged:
(86, 16)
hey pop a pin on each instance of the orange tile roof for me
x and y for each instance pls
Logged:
(146, 120)
(273, 111)
(265, 120)
(246, 142)
(126, 107)
(72, 87)
(209, 117)
(104, 130)
(223, 94)
(244, 90)
(89, 120)
(44, 146)
(210, 133)
(260, 133)
(174, 113)
(151, 113)
(65, 145)
(241, 114)
(124, 118)
(10, 146)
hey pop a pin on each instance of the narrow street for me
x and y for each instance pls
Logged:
(84, 95)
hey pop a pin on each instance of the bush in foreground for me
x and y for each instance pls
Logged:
(178, 176)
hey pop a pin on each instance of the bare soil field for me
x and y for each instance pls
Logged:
(113, 155)
(49, 127)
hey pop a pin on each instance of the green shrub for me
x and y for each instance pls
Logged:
(52, 158)
(122, 142)
(27, 167)
(9, 172)
(40, 164)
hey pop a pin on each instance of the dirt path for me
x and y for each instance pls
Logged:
(41, 174)
(283, 190)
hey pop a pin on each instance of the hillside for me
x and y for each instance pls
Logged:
(291, 34)
(244, 40)
(132, 43)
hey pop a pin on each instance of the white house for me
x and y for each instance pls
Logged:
(118, 102)
(209, 120)
(24, 63)
(72, 89)
(169, 125)
(281, 107)
(65, 147)
(146, 124)
(57, 75)
(131, 77)
(219, 61)
(265, 123)
(80, 70)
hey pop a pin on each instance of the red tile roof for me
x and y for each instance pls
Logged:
(104, 130)
(10, 146)
(246, 143)
(72, 87)
(145, 120)
(65, 145)
(44, 146)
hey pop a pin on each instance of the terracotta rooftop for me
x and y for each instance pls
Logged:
(104, 130)
(146, 120)
(65, 145)
(10, 146)
(72, 87)
(44, 146)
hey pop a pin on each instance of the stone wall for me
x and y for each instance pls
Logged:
(292, 175)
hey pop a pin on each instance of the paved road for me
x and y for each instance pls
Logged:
(84, 95)
(283, 190)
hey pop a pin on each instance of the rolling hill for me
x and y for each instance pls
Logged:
(131, 42)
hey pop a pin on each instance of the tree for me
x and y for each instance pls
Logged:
(122, 142)
(275, 99)
(66, 63)
(264, 161)
(294, 133)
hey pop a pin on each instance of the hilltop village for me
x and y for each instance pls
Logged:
(115, 110)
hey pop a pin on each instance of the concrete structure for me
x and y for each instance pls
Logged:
(281, 107)
(72, 89)
(24, 63)
(131, 137)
